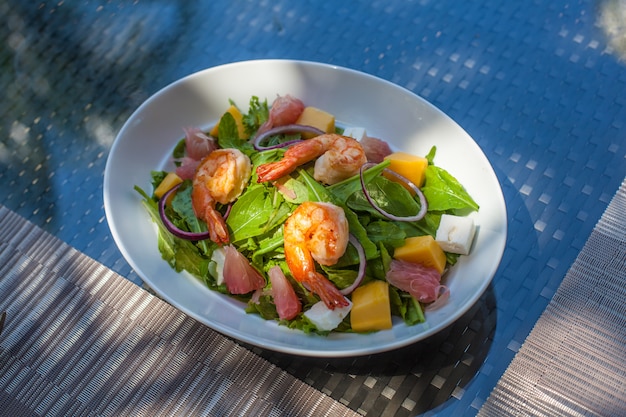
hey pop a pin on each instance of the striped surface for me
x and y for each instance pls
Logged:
(81, 340)
(573, 363)
(539, 86)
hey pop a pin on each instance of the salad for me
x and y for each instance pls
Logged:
(317, 226)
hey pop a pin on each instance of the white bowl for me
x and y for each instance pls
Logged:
(387, 111)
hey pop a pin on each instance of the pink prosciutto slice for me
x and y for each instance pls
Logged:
(197, 146)
(285, 110)
(422, 282)
(375, 149)
(287, 303)
(239, 276)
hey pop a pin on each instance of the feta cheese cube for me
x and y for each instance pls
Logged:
(455, 234)
(216, 268)
(357, 133)
(326, 319)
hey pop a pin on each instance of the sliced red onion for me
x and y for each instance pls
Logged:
(362, 264)
(171, 227)
(442, 298)
(291, 128)
(227, 213)
(423, 203)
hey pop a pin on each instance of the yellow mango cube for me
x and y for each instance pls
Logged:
(170, 181)
(422, 250)
(234, 111)
(409, 166)
(312, 116)
(370, 307)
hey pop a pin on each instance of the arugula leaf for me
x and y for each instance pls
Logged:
(271, 245)
(378, 268)
(179, 150)
(342, 278)
(248, 214)
(255, 213)
(414, 313)
(344, 189)
(182, 205)
(405, 306)
(265, 307)
(179, 253)
(258, 114)
(157, 178)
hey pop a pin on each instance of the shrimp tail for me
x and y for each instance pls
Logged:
(218, 231)
(326, 290)
(275, 170)
(295, 156)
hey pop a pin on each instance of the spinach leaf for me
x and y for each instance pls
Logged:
(387, 233)
(388, 195)
(228, 135)
(179, 150)
(444, 192)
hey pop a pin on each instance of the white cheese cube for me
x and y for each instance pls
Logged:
(455, 234)
(357, 133)
(219, 257)
(326, 319)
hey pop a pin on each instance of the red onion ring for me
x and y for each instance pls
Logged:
(444, 294)
(423, 203)
(171, 227)
(362, 264)
(291, 128)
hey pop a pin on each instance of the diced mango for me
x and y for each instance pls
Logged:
(370, 307)
(234, 111)
(312, 116)
(409, 166)
(170, 181)
(422, 250)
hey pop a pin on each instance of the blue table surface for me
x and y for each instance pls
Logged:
(539, 85)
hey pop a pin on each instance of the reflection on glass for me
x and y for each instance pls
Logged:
(612, 20)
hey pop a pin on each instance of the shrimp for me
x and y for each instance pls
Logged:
(220, 178)
(316, 232)
(340, 157)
